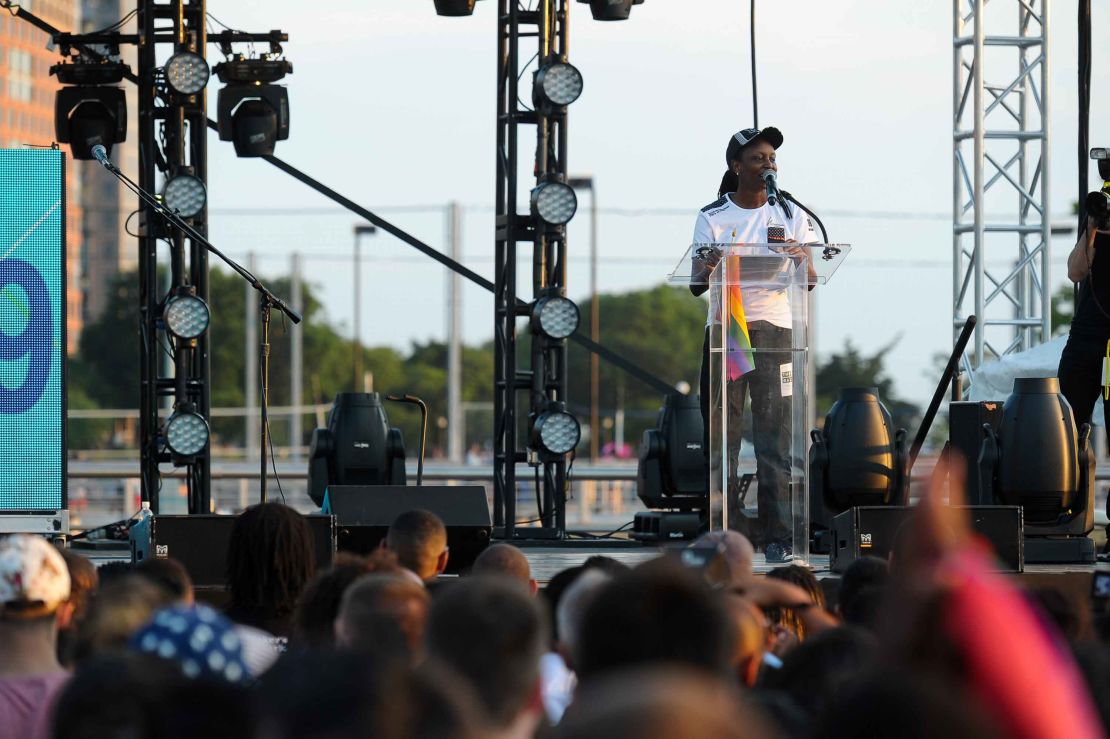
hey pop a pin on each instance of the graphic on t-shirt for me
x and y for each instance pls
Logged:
(776, 234)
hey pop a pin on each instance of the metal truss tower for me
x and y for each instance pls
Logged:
(1001, 142)
(172, 141)
(543, 378)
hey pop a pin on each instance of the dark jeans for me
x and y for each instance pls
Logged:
(1080, 376)
(770, 428)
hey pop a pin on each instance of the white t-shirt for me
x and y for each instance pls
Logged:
(725, 222)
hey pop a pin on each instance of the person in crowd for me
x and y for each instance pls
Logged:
(270, 558)
(383, 615)
(121, 607)
(1081, 362)
(505, 560)
(314, 619)
(892, 704)
(657, 702)
(735, 550)
(200, 640)
(557, 666)
(492, 633)
(330, 695)
(786, 623)
(571, 612)
(34, 586)
(812, 672)
(117, 694)
(660, 612)
(83, 582)
(170, 574)
(862, 589)
(419, 539)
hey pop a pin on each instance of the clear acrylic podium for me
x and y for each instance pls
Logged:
(758, 428)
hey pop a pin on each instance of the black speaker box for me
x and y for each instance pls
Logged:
(869, 531)
(363, 514)
(200, 543)
(965, 432)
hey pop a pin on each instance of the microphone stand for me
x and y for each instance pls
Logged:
(267, 300)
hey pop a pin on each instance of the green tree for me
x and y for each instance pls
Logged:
(661, 330)
(851, 368)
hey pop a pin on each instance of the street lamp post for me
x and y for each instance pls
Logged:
(361, 229)
(587, 183)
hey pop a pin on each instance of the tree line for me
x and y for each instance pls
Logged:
(659, 329)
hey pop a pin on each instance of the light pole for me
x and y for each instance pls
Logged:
(587, 183)
(361, 229)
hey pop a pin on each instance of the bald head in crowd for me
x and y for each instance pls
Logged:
(419, 539)
(383, 614)
(505, 560)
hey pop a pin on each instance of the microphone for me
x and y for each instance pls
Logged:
(769, 179)
(100, 154)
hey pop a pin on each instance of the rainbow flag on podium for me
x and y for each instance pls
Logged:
(739, 355)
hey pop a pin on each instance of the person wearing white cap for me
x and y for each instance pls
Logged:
(34, 587)
(743, 214)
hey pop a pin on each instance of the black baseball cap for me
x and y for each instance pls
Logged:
(740, 139)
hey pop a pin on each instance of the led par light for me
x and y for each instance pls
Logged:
(558, 84)
(554, 202)
(186, 432)
(454, 8)
(555, 431)
(185, 194)
(186, 315)
(186, 73)
(555, 316)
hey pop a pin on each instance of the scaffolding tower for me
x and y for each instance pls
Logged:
(1000, 195)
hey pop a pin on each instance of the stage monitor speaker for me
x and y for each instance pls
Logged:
(869, 531)
(200, 543)
(33, 340)
(363, 514)
(965, 432)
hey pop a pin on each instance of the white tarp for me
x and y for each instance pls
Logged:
(995, 380)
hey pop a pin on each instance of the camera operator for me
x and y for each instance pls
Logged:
(1080, 369)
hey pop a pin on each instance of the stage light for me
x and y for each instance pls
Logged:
(186, 315)
(185, 194)
(186, 432)
(611, 10)
(186, 73)
(251, 112)
(555, 431)
(557, 84)
(672, 464)
(357, 448)
(555, 316)
(454, 7)
(1039, 460)
(857, 458)
(85, 116)
(554, 202)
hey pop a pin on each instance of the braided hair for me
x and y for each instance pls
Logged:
(270, 558)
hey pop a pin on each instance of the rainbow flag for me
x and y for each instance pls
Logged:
(739, 357)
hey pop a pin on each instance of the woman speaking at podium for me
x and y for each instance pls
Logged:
(745, 214)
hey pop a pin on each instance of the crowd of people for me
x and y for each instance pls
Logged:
(932, 643)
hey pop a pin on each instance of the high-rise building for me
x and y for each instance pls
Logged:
(107, 248)
(27, 119)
